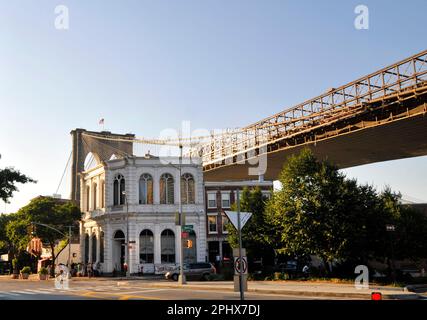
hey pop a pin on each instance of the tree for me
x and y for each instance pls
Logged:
(308, 211)
(256, 232)
(409, 240)
(9, 177)
(320, 212)
(5, 243)
(52, 212)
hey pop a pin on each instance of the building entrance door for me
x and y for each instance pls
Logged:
(119, 251)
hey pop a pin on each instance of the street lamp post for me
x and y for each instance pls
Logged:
(127, 236)
(390, 229)
(60, 232)
(181, 278)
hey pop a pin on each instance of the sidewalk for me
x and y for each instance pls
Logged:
(295, 288)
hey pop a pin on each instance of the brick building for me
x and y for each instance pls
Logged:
(220, 196)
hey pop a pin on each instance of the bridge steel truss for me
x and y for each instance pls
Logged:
(383, 96)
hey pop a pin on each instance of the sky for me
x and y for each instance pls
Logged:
(145, 66)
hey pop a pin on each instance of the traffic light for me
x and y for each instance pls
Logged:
(189, 243)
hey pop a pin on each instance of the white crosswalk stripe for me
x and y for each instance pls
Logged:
(21, 292)
(70, 290)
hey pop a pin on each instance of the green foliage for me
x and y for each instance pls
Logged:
(26, 270)
(4, 240)
(320, 212)
(61, 245)
(17, 233)
(257, 232)
(42, 210)
(9, 177)
(47, 210)
(43, 271)
(15, 263)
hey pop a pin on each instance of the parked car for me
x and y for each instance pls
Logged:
(290, 266)
(193, 271)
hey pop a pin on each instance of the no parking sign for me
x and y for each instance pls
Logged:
(240, 264)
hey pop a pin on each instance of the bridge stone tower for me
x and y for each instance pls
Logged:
(100, 145)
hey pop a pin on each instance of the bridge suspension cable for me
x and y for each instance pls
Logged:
(65, 171)
(392, 82)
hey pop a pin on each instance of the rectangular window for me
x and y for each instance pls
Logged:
(225, 222)
(212, 200)
(225, 200)
(212, 224)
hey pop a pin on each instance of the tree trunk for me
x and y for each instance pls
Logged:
(326, 265)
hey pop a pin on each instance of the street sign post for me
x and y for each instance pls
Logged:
(239, 219)
(240, 264)
(187, 228)
(233, 217)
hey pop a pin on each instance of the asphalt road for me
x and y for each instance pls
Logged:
(117, 290)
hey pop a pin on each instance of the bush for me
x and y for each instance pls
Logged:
(43, 271)
(26, 270)
(281, 276)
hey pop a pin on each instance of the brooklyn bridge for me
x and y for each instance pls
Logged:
(378, 117)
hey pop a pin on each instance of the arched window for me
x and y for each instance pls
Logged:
(168, 246)
(93, 248)
(146, 189)
(95, 188)
(146, 247)
(166, 189)
(101, 247)
(187, 189)
(87, 198)
(119, 188)
(119, 235)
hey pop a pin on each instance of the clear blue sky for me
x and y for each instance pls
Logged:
(148, 65)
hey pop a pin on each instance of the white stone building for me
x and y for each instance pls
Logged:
(144, 192)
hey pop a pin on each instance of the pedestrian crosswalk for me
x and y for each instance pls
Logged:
(72, 290)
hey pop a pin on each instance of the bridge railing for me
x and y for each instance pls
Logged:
(330, 106)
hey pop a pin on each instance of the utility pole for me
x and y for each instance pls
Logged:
(127, 236)
(391, 229)
(69, 248)
(239, 229)
(181, 279)
(60, 232)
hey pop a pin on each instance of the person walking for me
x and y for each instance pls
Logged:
(90, 270)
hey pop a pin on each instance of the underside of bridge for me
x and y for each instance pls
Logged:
(391, 128)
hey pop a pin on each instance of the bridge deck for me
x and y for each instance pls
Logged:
(398, 139)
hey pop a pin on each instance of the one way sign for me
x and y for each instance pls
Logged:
(244, 217)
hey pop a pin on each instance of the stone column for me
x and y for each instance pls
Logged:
(90, 247)
(82, 241)
(156, 187)
(108, 248)
(98, 246)
(133, 263)
(157, 245)
(177, 244)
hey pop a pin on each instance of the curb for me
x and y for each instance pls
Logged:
(416, 288)
(364, 296)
